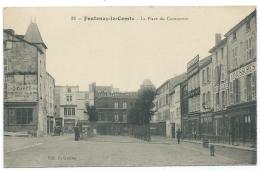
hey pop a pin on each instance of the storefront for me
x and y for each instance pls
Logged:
(243, 124)
(192, 126)
(20, 117)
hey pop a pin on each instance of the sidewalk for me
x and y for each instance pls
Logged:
(165, 140)
(223, 145)
(16, 134)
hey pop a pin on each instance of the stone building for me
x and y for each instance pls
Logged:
(162, 109)
(70, 106)
(25, 80)
(50, 102)
(206, 95)
(220, 89)
(241, 43)
(193, 79)
(175, 121)
(111, 107)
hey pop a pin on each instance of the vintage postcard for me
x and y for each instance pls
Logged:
(129, 86)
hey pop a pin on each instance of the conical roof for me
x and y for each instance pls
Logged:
(33, 34)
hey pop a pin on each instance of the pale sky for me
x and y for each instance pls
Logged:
(123, 53)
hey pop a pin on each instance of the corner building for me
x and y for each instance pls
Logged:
(25, 79)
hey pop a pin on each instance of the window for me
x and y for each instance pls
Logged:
(116, 105)
(216, 56)
(234, 36)
(73, 111)
(249, 87)
(124, 105)
(236, 90)
(203, 76)
(248, 28)
(217, 74)
(223, 98)
(65, 112)
(24, 115)
(69, 90)
(221, 73)
(249, 50)
(69, 111)
(8, 45)
(116, 117)
(222, 53)
(234, 57)
(167, 99)
(5, 65)
(69, 98)
(217, 98)
(247, 119)
(208, 74)
(208, 98)
(204, 100)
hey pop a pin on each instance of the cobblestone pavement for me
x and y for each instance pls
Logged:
(114, 151)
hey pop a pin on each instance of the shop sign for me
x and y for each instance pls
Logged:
(241, 72)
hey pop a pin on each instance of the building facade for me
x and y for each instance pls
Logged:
(111, 107)
(241, 42)
(193, 79)
(25, 78)
(175, 121)
(161, 116)
(50, 103)
(206, 95)
(221, 126)
(71, 105)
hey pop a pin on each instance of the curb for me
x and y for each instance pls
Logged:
(225, 146)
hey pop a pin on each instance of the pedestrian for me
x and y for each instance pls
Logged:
(212, 150)
(76, 131)
(178, 135)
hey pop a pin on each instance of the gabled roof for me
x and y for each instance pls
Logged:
(33, 35)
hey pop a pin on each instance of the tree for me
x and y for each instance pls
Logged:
(141, 112)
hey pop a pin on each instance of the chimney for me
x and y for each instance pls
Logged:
(217, 38)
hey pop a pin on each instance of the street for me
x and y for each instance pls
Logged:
(63, 151)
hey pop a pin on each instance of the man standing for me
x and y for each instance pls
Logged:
(178, 135)
(76, 131)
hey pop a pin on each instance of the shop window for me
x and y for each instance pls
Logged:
(24, 115)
